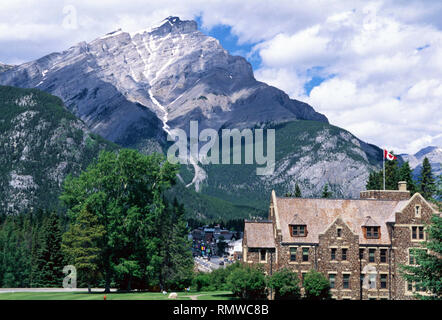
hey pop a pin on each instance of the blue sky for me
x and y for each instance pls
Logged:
(231, 43)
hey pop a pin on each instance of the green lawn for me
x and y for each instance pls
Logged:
(215, 295)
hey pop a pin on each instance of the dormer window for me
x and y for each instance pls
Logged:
(372, 229)
(299, 230)
(372, 232)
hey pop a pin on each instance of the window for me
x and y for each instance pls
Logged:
(417, 211)
(344, 254)
(371, 255)
(372, 232)
(409, 286)
(262, 255)
(383, 280)
(383, 255)
(304, 254)
(332, 279)
(299, 230)
(346, 281)
(292, 254)
(333, 254)
(421, 233)
(411, 257)
(339, 232)
(361, 254)
(417, 233)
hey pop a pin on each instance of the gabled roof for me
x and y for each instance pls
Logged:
(297, 220)
(369, 222)
(259, 234)
(319, 214)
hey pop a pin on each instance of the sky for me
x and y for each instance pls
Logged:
(373, 68)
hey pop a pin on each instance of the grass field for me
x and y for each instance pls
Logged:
(215, 295)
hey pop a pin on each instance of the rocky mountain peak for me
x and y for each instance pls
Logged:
(169, 25)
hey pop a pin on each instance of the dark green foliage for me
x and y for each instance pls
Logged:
(145, 239)
(325, 192)
(29, 250)
(41, 140)
(203, 282)
(178, 263)
(81, 246)
(297, 192)
(49, 260)
(316, 286)
(405, 174)
(286, 285)
(15, 250)
(374, 181)
(248, 282)
(426, 180)
(215, 280)
(427, 273)
(393, 174)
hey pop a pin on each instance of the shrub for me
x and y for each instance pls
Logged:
(247, 282)
(316, 285)
(286, 285)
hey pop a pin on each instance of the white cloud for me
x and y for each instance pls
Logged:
(386, 84)
(382, 59)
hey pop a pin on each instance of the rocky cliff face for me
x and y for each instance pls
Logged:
(133, 88)
(434, 155)
(40, 143)
(122, 84)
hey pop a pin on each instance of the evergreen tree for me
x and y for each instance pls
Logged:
(50, 260)
(391, 174)
(405, 174)
(374, 181)
(426, 180)
(179, 253)
(81, 245)
(427, 274)
(325, 192)
(297, 191)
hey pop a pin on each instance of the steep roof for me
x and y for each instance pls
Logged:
(297, 220)
(369, 222)
(259, 234)
(319, 214)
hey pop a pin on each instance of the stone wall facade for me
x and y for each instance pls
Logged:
(358, 270)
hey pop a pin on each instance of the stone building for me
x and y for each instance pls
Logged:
(358, 244)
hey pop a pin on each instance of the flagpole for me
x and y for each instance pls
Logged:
(383, 165)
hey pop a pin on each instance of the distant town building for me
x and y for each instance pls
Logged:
(358, 244)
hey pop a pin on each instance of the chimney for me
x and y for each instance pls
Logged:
(402, 186)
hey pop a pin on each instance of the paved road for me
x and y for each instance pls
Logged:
(12, 290)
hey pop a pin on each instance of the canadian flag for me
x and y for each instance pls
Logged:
(389, 156)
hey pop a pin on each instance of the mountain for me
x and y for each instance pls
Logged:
(134, 88)
(41, 142)
(120, 85)
(434, 155)
(4, 67)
